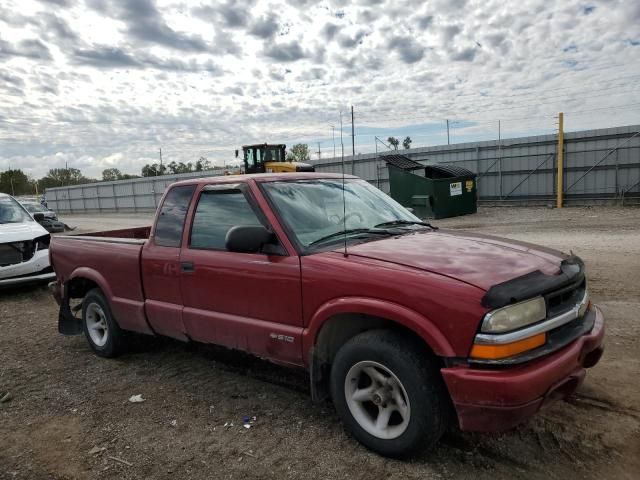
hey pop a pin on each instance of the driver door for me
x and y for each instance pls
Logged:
(247, 301)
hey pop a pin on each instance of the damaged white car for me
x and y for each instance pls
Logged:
(24, 246)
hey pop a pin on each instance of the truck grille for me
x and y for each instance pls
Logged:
(563, 300)
(16, 252)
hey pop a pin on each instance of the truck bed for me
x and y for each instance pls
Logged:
(138, 233)
(112, 260)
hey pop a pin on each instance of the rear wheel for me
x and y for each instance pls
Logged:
(389, 393)
(101, 330)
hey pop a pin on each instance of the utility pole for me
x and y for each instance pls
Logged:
(333, 135)
(353, 144)
(341, 142)
(318, 150)
(560, 155)
(500, 158)
(448, 143)
(160, 162)
(13, 193)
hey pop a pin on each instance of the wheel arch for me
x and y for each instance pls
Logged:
(341, 319)
(84, 279)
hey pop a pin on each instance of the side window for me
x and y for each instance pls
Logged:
(216, 213)
(172, 215)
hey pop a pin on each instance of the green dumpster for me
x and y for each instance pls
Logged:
(433, 191)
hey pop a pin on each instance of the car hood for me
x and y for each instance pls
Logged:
(479, 260)
(17, 232)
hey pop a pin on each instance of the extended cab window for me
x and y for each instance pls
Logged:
(216, 213)
(172, 215)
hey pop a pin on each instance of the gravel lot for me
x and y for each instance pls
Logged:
(69, 415)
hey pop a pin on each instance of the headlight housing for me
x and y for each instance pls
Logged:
(515, 316)
(42, 243)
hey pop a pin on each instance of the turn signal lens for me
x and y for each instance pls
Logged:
(496, 352)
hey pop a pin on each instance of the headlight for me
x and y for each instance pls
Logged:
(42, 243)
(515, 316)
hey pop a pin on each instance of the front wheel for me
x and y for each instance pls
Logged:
(101, 330)
(389, 393)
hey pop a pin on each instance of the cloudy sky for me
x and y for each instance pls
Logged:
(106, 83)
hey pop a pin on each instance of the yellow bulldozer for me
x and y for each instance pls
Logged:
(270, 158)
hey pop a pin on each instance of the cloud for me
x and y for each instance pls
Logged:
(285, 52)
(264, 27)
(424, 21)
(449, 32)
(33, 49)
(56, 27)
(105, 57)
(115, 78)
(330, 30)
(464, 55)
(12, 80)
(349, 41)
(408, 49)
(144, 22)
(224, 44)
(59, 3)
(233, 14)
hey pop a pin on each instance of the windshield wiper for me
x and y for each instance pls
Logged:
(349, 231)
(393, 223)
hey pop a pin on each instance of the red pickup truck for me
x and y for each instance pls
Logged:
(404, 326)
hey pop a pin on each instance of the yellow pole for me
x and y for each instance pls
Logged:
(560, 153)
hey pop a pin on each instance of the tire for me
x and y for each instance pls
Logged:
(105, 337)
(382, 371)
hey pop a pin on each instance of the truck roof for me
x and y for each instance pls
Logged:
(262, 177)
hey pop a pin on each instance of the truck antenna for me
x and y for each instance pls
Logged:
(344, 202)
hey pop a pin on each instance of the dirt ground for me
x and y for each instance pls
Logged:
(69, 415)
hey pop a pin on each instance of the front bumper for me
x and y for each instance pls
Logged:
(494, 400)
(34, 270)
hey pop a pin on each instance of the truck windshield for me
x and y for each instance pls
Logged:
(314, 210)
(12, 212)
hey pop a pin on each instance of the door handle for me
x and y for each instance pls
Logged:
(186, 267)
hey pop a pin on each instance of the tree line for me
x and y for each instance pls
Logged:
(16, 182)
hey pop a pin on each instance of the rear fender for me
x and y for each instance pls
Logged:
(128, 313)
(95, 277)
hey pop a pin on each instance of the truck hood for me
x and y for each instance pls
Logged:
(18, 232)
(479, 260)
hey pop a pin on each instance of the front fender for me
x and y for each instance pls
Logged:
(394, 312)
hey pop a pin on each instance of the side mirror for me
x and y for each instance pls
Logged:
(38, 217)
(236, 153)
(247, 238)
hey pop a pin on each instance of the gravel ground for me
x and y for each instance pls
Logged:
(69, 414)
